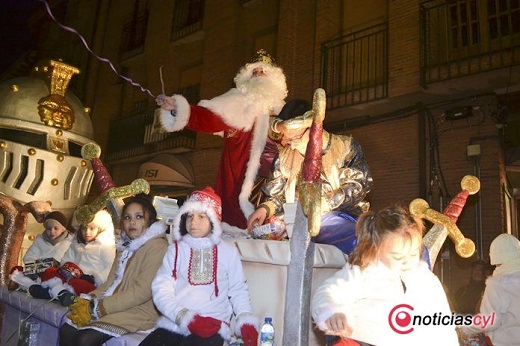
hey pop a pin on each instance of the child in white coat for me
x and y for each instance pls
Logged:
(501, 297)
(201, 283)
(94, 247)
(375, 297)
(91, 255)
(53, 242)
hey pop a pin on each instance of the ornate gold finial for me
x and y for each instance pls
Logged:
(262, 56)
(53, 109)
(60, 77)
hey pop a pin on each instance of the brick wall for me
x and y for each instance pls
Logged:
(393, 151)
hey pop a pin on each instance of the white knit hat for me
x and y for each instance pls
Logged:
(504, 248)
(103, 220)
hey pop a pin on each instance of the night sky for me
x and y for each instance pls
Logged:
(15, 37)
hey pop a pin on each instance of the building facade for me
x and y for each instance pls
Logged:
(430, 89)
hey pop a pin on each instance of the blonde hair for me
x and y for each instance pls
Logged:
(374, 228)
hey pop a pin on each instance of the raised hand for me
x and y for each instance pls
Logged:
(166, 102)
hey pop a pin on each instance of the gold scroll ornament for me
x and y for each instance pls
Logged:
(465, 247)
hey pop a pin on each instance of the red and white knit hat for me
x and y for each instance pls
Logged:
(205, 201)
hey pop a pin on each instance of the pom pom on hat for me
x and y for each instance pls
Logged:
(56, 216)
(504, 248)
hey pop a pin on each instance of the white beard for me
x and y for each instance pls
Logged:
(265, 93)
(261, 92)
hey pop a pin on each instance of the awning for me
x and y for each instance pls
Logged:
(167, 170)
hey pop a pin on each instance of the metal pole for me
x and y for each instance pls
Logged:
(299, 283)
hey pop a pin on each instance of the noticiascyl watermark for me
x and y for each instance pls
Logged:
(402, 319)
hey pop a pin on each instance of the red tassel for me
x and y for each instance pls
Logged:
(215, 261)
(174, 271)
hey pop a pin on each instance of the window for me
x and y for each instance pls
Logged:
(187, 17)
(134, 31)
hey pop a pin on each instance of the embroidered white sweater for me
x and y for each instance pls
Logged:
(194, 288)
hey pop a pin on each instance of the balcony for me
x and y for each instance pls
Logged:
(355, 67)
(461, 38)
(140, 135)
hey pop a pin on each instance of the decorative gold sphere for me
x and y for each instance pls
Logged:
(90, 151)
(31, 151)
(59, 133)
(471, 184)
(3, 145)
(83, 163)
(54, 182)
(31, 237)
(60, 157)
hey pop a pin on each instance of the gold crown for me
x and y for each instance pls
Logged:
(262, 56)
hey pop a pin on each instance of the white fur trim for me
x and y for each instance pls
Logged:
(181, 328)
(182, 114)
(234, 110)
(191, 207)
(22, 280)
(322, 316)
(156, 229)
(246, 318)
(86, 296)
(52, 282)
(56, 288)
(225, 331)
(185, 322)
(257, 147)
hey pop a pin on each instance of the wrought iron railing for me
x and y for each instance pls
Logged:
(141, 134)
(187, 17)
(464, 37)
(354, 67)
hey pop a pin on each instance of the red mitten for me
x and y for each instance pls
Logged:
(204, 326)
(81, 286)
(249, 335)
(346, 342)
(51, 273)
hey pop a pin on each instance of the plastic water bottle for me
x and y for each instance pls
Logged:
(267, 333)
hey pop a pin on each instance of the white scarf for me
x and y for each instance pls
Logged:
(508, 267)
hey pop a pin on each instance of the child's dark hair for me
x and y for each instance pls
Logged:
(145, 202)
(182, 224)
(373, 228)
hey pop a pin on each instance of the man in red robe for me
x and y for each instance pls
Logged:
(242, 117)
